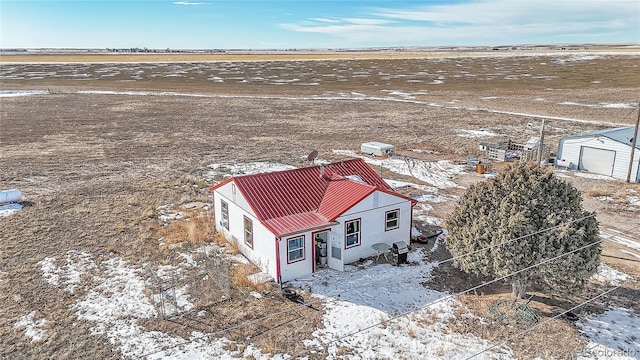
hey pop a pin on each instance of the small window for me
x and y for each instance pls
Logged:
(392, 220)
(224, 214)
(248, 232)
(295, 249)
(352, 233)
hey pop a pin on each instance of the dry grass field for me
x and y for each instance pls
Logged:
(107, 143)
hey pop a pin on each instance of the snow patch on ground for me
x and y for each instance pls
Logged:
(436, 173)
(396, 185)
(8, 209)
(118, 301)
(431, 195)
(401, 291)
(69, 274)
(615, 236)
(229, 169)
(609, 275)
(33, 329)
(172, 300)
(630, 253)
(378, 296)
(168, 213)
(239, 258)
(405, 94)
(14, 93)
(409, 338)
(611, 334)
(602, 105)
(476, 133)
(430, 220)
(432, 198)
(592, 176)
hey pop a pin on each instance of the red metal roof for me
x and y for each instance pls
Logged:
(341, 195)
(296, 200)
(296, 223)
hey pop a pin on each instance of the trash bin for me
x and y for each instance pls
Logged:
(399, 249)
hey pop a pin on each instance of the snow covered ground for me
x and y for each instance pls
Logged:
(619, 238)
(33, 329)
(8, 209)
(476, 133)
(436, 173)
(608, 275)
(362, 308)
(612, 335)
(14, 93)
(366, 307)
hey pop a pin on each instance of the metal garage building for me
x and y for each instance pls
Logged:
(606, 152)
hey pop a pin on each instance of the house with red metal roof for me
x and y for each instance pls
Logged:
(292, 223)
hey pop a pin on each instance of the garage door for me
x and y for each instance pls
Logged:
(597, 161)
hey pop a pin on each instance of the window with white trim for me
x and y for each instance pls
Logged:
(295, 249)
(392, 220)
(352, 233)
(224, 214)
(248, 232)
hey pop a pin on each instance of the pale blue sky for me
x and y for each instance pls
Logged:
(241, 24)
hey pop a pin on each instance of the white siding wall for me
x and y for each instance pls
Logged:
(236, 197)
(571, 153)
(372, 224)
(300, 268)
(263, 253)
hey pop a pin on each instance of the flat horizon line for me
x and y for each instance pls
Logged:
(562, 46)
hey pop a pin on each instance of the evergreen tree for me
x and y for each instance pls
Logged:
(525, 199)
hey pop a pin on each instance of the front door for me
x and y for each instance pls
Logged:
(335, 251)
(320, 249)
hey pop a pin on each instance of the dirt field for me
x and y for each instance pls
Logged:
(106, 144)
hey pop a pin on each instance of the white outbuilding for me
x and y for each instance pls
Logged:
(377, 148)
(606, 152)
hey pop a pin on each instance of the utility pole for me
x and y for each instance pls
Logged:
(633, 144)
(541, 144)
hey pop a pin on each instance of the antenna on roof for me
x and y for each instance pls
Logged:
(312, 156)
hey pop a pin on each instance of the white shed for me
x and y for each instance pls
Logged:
(377, 148)
(606, 152)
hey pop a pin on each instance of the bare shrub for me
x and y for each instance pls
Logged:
(426, 319)
(598, 192)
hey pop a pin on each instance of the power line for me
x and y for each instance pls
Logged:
(515, 239)
(310, 303)
(230, 328)
(464, 291)
(542, 323)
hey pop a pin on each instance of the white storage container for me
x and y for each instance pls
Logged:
(377, 148)
(10, 196)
